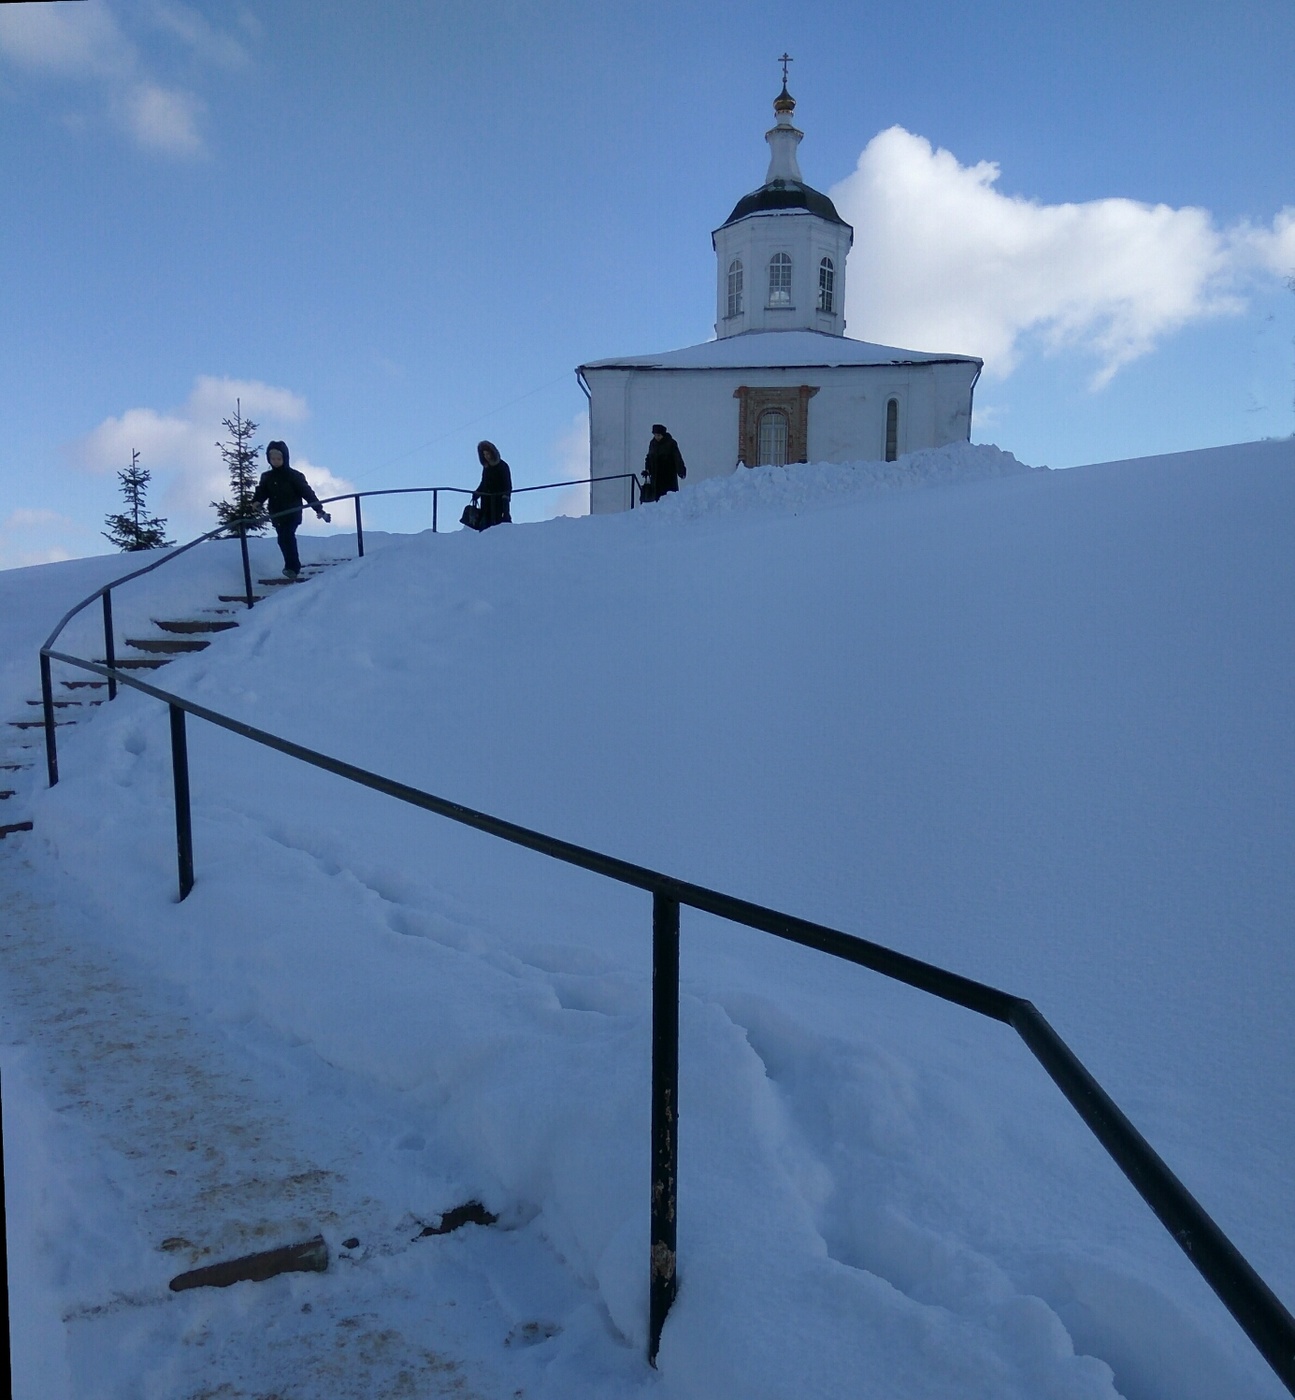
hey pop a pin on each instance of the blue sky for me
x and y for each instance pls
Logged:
(393, 230)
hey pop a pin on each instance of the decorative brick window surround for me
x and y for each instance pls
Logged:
(792, 400)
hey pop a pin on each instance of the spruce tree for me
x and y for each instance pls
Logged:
(240, 461)
(134, 528)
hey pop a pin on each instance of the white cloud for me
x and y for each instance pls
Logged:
(943, 261)
(1269, 249)
(187, 24)
(74, 40)
(179, 447)
(164, 119)
(22, 519)
(85, 43)
(27, 537)
(570, 452)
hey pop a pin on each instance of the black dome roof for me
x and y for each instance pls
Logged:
(784, 194)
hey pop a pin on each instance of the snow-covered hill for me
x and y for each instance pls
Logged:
(1034, 726)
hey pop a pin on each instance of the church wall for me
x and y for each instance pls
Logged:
(847, 416)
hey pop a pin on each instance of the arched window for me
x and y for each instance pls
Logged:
(826, 285)
(780, 280)
(892, 429)
(773, 438)
(735, 287)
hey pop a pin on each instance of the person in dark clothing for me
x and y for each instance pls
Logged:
(284, 489)
(663, 467)
(494, 494)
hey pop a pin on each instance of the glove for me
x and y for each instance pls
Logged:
(323, 515)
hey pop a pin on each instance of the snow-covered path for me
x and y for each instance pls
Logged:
(168, 1143)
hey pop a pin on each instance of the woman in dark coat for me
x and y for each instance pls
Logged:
(663, 466)
(495, 491)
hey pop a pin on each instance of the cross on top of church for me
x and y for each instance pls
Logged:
(784, 104)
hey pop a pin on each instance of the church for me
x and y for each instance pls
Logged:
(781, 382)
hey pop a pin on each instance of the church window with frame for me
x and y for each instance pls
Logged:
(892, 429)
(772, 438)
(826, 285)
(780, 280)
(735, 287)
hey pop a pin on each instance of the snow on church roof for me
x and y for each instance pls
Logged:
(781, 350)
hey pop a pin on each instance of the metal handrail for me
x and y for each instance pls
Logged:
(238, 529)
(1259, 1312)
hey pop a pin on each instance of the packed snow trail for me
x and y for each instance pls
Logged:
(1036, 727)
(169, 1143)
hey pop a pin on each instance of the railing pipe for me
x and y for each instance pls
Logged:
(359, 528)
(436, 502)
(665, 1114)
(109, 646)
(47, 704)
(183, 820)
(1246, 1296)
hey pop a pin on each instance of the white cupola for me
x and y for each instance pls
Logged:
(780, 255)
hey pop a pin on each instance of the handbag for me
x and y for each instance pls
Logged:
(471, 516)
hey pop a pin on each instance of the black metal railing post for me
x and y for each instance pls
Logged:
(247, 567)
(665, 1113)
(6, 1366)
(359, 528)
(436, 501)
(47, 703)
(109, 647)
(183, 821)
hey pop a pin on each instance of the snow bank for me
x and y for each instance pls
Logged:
(827, 485)
(1036, 726)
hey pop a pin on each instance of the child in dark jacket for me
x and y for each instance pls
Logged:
(284, 491)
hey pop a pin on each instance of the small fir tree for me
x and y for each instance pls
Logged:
(240, 461)
(135, 528)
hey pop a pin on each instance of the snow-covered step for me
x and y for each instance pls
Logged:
(188, 626)
(167, 646)
(135, 663)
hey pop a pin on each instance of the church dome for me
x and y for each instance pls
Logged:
(780, 195)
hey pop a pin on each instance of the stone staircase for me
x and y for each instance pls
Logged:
(22, 745)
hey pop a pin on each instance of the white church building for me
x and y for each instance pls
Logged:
(781, 382)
